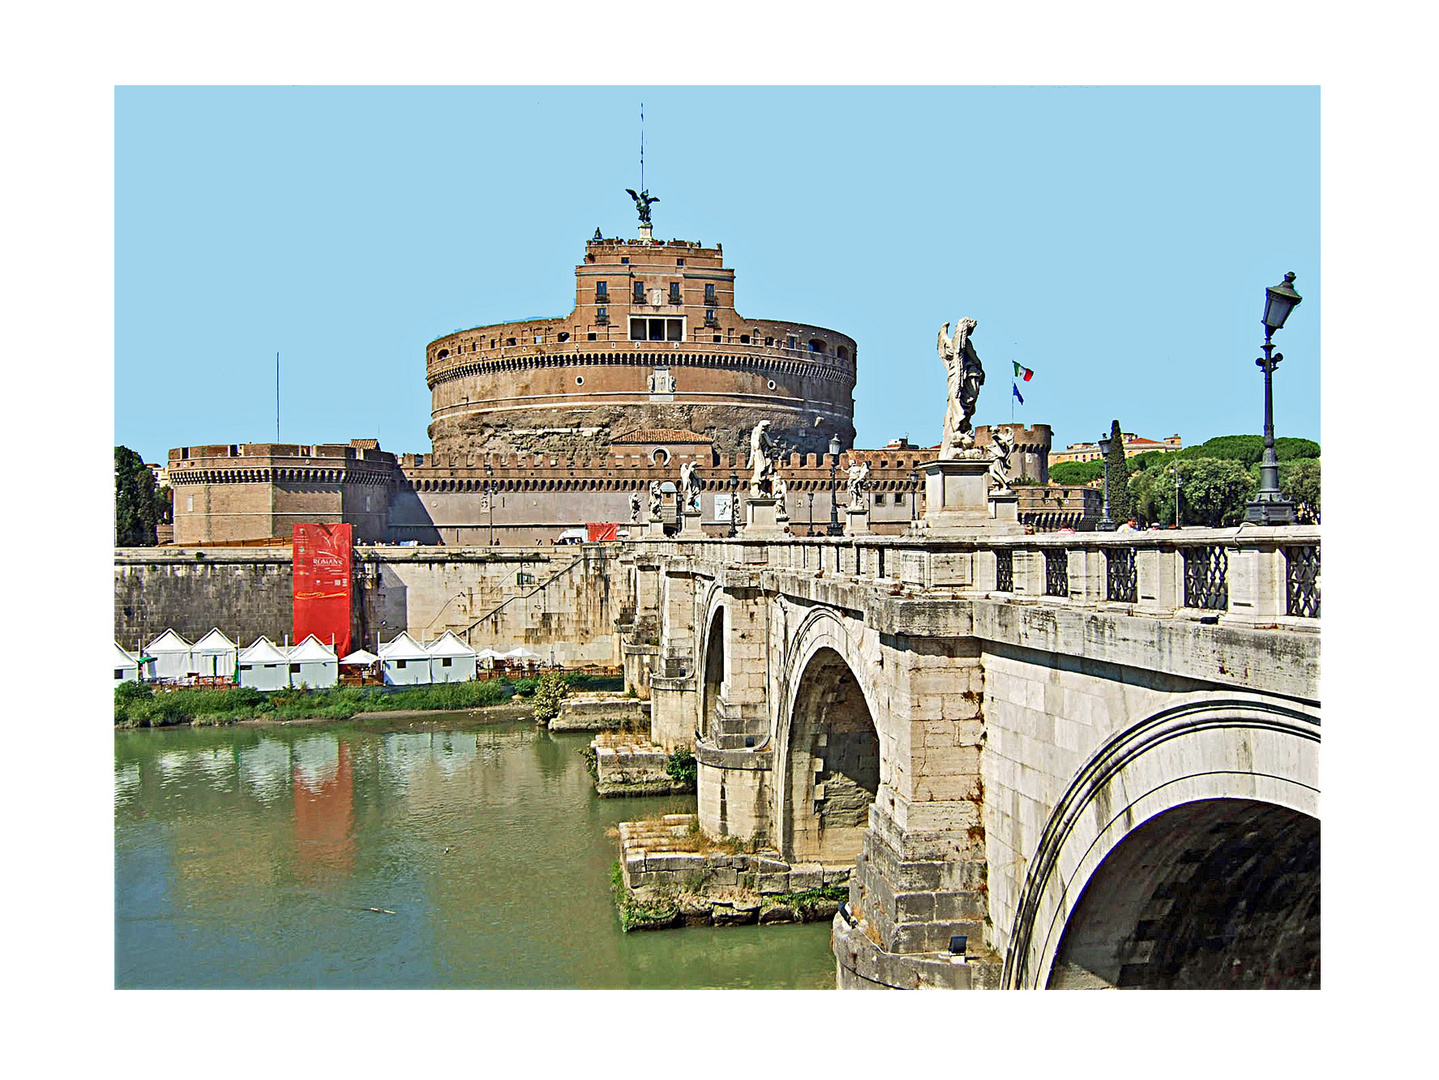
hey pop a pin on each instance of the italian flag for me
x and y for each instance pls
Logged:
(1020, 369)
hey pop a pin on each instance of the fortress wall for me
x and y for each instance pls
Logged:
(424, 591)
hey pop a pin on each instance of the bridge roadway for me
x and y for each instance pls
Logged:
(1095, 756)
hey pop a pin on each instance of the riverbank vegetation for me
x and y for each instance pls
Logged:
(139, 705)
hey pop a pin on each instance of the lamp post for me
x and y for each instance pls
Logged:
(833, 488)
(913, 496)
(811, 513)
(1178, 480)
(1106, 524)
(1270, 507)
(734, 514)
(490, 496)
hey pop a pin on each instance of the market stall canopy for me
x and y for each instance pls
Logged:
(448, 644)
(403, 647)
(263, 651)
(311, 649)
(360, 658)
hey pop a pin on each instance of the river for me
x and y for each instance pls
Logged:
(251, 857)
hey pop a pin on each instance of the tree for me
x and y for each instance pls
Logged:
(135, 501)
(1076, 472)
(1213, 492)
(1118, 475)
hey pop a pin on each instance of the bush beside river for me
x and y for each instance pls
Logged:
(138, 705)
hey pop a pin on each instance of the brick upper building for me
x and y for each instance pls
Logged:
(546, 424)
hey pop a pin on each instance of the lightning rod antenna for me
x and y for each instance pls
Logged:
(642, 145)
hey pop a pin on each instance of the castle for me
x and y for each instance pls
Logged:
(544, 425)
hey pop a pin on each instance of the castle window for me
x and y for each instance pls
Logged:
(789, 344)
(843, 352)
(744, 339)
(709, 292)
(639, 292)
(602, 292)
(719, 339)
(674, 292)
(579, 380)
(816, 345)
(509, 341)
(492, 343)
(710, 319)
(538, 339)
(602, 316)
(590, 337)
(442, 354)
(564, 335)
(679, 262)
(625, 260)
(769, 341)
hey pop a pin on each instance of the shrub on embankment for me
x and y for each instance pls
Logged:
(139, 705)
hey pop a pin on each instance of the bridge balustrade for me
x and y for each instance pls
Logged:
(1267, 576)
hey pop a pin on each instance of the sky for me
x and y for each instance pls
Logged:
(1115, 240)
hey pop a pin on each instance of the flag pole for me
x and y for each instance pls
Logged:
(277, 397)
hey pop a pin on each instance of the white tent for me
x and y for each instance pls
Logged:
(264, 666)
(172, 656)
(313, 664)
(404, 661)
(451, 660)
(521, 655)
(359, 658)
(213, 656)
(127, 667)
(488, 657)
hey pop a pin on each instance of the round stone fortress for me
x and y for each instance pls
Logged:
(654, 341)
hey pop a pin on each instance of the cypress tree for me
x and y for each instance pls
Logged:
(135, 510)
(1118, 475)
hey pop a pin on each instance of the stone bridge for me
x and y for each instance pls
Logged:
(1094, 756)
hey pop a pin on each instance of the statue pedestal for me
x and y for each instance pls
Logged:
(1004, 507)
(956, 497)
(690, 525)
(761, 518)
(654, 529)
(856, 521)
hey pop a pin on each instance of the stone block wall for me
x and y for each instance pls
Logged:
(244, 594)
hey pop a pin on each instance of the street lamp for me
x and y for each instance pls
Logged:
(1178, 480)
(1270, 507)
(734, 515)
(490, 496)
(811, 512)
(833, 487)
(1106, 524)
(913, 496)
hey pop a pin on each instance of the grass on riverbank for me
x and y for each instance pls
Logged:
(138, 705)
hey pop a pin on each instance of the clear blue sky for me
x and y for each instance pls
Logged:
(1118, 241)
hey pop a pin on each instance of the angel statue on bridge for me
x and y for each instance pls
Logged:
(761, 464)
(1001, 442)
(634, 507)
(965, 375)
(657, 500)
(858, 481)
(689, 487)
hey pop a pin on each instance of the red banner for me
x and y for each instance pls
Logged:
(602, 530)
(322, 584)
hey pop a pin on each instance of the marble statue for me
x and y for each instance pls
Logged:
(779, 493)
(858, 481)
(1000, 445)
(761, 464)
(656, 500)
(643, 200)
(634, 507)
(965, 376)
(689, 487)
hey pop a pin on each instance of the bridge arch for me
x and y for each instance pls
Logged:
(828, 745)
(1220, 792)
(710, 667)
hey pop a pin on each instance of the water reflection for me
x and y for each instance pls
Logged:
(253, 857)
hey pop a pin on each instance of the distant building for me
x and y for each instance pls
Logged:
(1133, 444)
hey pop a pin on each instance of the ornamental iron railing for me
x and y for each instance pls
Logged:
(1121, 578)
(1056, 573)
(1004, 570)
(1206, 583)
(1301, 580)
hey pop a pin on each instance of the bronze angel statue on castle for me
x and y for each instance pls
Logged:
(643, 200)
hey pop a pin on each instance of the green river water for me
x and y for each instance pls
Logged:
(249, 857)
